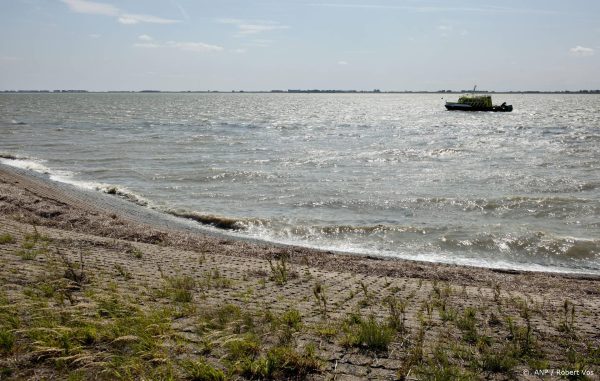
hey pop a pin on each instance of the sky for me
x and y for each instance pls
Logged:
(226, 45)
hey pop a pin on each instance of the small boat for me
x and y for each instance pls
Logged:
(477, 103)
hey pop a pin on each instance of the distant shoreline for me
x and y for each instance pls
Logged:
(299, 91)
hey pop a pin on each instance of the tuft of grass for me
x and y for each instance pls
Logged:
(34, 244)
(218, 318)
(6, 238)
(7, 340)
(137, 253)
(327, 330)
(368, 334)
(397, 318)
(440, 368)
(292, 319)
(180, 288)
(279, 269)
(201, 371)
(247, 347)
(215, 279)
(288, 323)
(280, 362)
(467, 324)
(499, 361)
(567, 324)
(73, 272)
(321, 298)
(122, 272)
(448, 314)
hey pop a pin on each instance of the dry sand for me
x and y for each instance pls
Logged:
(312, 314)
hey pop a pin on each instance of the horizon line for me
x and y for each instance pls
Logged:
(296, 91)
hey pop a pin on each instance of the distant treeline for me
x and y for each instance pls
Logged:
(318, 91)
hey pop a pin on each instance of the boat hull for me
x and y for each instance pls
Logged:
(466, 107)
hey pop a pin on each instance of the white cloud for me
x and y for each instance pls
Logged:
(195, 46)
(246, 28)
(130, 19)
(342, 62)
(95, 35)
(581, 51)
(145, 37)
(92, 8)
(199, 47)
(429, 9)
(230, 21)
(104, 9)
(445, 28)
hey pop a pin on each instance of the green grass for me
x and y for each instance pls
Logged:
(6, 238)
(279, 269)
(467, 323)
(180, 288)
(34, 244)
(397, 317)
(7, 340)
(278, 363)
(137, 253)
(201, 371)
(368, 333)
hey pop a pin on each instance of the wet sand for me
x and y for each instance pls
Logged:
(538, 320)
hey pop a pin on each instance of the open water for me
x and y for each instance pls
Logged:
(386, 174)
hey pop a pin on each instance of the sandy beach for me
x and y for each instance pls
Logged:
(92, 290)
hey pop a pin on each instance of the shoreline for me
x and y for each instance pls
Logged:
(157, 219)
(326, 315)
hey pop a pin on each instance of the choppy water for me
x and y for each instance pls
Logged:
(392, 175)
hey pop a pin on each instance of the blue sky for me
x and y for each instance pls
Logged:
(281, 44)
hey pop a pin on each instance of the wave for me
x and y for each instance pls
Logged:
(535, 251)
(537, 244)
(560, 208)
(68, 177)
(220, 222)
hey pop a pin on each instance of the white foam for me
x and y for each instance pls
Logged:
(68, 177)
(266, 235)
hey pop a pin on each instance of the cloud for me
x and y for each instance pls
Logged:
(145, 37)
(429, 9)
(195, 46)
(581, 51)
(199, 47)
(92, 8)
(104, 9)
(94, 35)
(246, 28)
(130, 19)
(342, 62)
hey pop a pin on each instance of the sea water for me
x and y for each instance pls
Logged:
(382, 174)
